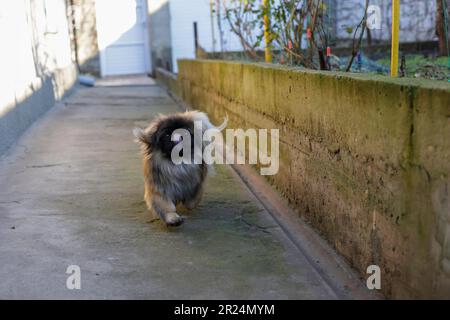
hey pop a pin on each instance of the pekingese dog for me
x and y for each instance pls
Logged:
(166, 183)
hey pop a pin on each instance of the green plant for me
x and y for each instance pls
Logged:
(292, 23)
(300, 31)
(244, 20)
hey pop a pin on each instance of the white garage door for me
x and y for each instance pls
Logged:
(122, 37)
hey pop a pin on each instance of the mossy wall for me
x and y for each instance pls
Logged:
(364, 159)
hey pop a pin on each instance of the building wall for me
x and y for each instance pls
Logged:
(183, 14)
(35, 62)
(418, 19)
(159, 34)
(86, 35)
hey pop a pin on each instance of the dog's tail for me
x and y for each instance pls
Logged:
(201, 116)
(224, 123)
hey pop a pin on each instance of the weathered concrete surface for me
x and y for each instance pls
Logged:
(71, 194)
(365, 159)
(125, 80)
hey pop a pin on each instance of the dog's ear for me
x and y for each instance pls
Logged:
(140, 135)
(148, 138)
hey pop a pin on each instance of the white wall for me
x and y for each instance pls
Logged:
(183, 13)
(36, 66)
(35, 42)
(417, 23)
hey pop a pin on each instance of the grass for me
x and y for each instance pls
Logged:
(420, 66)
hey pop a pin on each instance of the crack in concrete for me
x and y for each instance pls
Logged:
(46, 165)
(6, 202)
(254, 225)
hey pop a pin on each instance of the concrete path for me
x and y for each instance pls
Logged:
(71, 194)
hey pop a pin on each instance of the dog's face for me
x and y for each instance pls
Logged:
(164, 139)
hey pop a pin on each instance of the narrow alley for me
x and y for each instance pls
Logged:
(72, 194)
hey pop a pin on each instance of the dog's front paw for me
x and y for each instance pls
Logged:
(172, 219)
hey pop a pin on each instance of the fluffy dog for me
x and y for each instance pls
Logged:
(166, 183)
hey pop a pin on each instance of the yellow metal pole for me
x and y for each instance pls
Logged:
(395, 37)
(268, 56)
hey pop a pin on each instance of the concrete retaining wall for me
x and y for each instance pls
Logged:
(364, 159)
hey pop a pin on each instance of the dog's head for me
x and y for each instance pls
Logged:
(160, 136)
